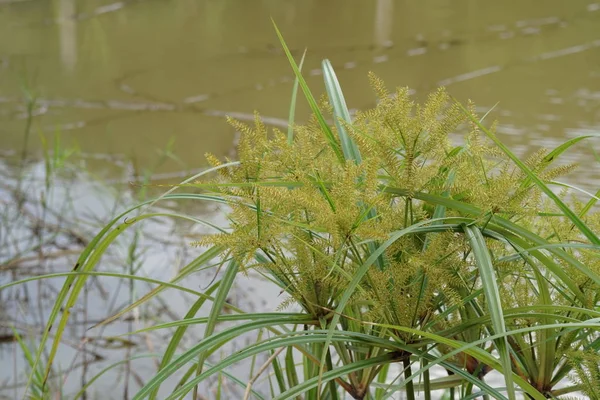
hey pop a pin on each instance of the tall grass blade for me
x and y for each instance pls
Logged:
(217, 307)
(546, 350)
(566, 185)
(185, 271)
(340, 112)
(292, 114)
(311, 100)
(349, 147)
(112, 275)
(62, 295)
(278, 372)
(514, 229)
(358, 276)
(492, 296)
(583, 228)
(178, 335)
(75, 287)
(213, 343)
(38, 388)
(554, 154)
(336, 373)
(194, 178)
(591, 203)
(297, 339)
(479, 354)
(85, 263)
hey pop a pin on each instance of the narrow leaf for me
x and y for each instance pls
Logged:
(583, 228)
(292, 114)
(340, 112)
(492, 296)
(311, 100)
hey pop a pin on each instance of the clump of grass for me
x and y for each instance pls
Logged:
(43, 228)
(398, 248)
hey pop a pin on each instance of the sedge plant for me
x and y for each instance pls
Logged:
(399, 253)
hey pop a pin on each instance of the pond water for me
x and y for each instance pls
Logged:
(122, 80)
(125, 77)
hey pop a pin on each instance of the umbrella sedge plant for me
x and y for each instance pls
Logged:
(399, 253)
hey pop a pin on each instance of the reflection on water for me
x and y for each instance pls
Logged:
(136, 73)
(383, 23)
(120, 78)
(68, 33)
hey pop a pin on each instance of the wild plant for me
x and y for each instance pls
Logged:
(399, 252)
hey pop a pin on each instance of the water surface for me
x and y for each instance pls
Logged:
(125, 77)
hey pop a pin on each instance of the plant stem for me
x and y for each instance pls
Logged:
(426, 381)
(410, 389)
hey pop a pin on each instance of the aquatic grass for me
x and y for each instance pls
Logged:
(39, 389)
(225, 285)
(589, 234)
(399, 251)
(292, 113)
(489, 283)
(58, 232)
(327, 131)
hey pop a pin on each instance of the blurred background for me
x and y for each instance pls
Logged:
(123, 78)
(97, 94)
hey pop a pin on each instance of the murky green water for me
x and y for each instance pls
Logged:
(125, 77)
(122, 79)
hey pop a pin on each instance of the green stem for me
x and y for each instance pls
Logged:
(332, 384)
(426, 381)
(410, 389)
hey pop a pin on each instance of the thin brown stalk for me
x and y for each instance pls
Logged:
(260, 371)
